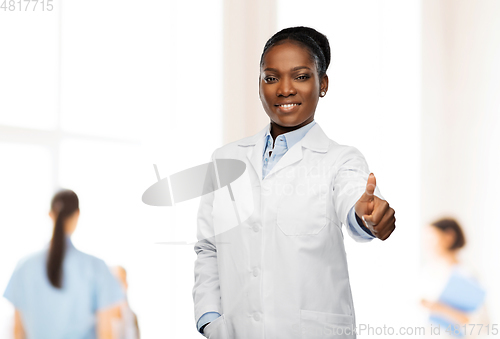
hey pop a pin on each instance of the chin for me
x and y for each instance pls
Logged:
(285, 120)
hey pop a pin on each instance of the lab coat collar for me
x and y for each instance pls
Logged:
(315, 140)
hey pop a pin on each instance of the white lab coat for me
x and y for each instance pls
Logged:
(280, 270)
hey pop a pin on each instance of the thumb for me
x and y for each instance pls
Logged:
(370, 188)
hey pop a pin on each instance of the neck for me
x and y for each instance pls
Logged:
(450, 257)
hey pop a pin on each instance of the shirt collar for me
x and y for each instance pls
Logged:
(291, 138)
(317, 141)
(67, 242)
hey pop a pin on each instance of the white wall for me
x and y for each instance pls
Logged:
(461, 128)
(247, 26)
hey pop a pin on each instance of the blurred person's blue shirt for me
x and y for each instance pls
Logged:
(281, 145)
(69, 312)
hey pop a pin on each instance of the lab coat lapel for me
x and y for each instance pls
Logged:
(254, 154)
(315, 140)
(293, 155)
(255, 148)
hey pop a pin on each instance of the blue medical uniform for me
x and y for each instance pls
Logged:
(69, 312)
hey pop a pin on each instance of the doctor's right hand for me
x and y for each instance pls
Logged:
(217, 329)
(376, 213)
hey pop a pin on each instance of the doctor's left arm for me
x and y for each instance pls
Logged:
(206, 290)
(350, 176)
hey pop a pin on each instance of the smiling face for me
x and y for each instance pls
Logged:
(289, 85)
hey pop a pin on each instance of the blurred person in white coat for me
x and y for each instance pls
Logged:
(277, 267)
(445, 240)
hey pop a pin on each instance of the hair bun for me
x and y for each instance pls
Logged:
(322, 42)
(316, 42)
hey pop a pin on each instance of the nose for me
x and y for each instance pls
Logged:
(286, 87)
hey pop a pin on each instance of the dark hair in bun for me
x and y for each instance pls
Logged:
(451, 224)
(315, 42)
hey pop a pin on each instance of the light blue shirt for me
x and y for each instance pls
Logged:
(283, 143)
(69, 312)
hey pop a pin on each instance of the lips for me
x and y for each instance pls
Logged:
(288, 107)
(288, 104)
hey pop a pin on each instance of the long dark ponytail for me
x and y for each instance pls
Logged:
(64, 204)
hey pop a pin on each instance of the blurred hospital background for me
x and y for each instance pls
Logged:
(93, 93)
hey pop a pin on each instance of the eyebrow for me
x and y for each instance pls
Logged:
(293, 69)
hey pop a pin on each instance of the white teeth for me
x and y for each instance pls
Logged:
(289, 105)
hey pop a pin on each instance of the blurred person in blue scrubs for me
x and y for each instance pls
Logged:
(452, 294)
(127, 326)
(60, 292)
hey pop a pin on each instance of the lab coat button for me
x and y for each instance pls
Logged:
(256, 228)
(256, 316)
(255, 272)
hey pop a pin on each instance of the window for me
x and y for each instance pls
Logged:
(92, 107)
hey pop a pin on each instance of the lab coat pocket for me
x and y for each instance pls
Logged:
(303, 212)
(321, 325)
(217, 329)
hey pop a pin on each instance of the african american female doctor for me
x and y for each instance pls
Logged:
(282, 272)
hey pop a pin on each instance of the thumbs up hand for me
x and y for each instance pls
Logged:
(376, 213)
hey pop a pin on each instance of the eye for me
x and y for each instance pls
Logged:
(303, 77)
(269, 79)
